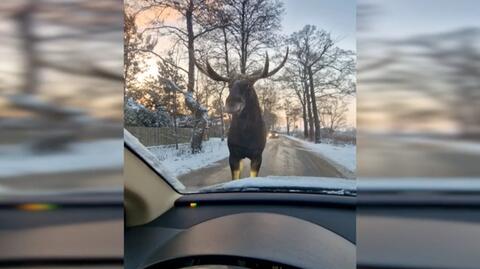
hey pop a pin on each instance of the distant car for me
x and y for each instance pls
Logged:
(273, 134)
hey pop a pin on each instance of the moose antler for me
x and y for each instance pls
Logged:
(264, 72)
(210, 72)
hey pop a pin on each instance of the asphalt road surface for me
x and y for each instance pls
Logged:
(281, 157)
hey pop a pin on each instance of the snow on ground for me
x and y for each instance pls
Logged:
(18, 160)
(180, 161)
(341, 156)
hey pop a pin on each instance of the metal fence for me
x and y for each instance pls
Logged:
(154, 136)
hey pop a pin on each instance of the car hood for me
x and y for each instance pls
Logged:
(324, 185)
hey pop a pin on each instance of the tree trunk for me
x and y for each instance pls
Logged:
(191, 49)
(304, 116)
(175, 119)
(288, 125)
(243, 43)
(222, 121)
(314, 106)
(225, 47)
(198, 112)
(227, 68)
(303, 100)
(309, 110)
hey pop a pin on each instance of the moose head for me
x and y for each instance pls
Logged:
(247, 133)
(241, 85)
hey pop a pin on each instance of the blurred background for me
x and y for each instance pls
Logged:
(418, 122)
(61, 93)
(61, 115)
(419, 88)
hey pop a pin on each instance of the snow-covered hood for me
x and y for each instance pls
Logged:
(327, 185)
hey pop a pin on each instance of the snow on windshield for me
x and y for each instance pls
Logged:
(330, 185)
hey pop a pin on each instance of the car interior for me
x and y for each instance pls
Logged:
(167, 229)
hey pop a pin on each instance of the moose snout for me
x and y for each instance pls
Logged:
(234, 105)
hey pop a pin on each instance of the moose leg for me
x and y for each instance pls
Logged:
(255, 166)
(235, 166)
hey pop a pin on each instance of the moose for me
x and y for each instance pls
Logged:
(247, 134)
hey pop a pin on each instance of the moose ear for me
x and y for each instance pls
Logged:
(209, 72)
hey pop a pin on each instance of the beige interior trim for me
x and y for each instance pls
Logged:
(146, 195)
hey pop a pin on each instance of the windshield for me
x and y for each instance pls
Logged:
(271, 111)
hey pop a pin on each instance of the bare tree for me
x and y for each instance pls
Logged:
(168, 68)
(200, 17)
(217, 47)
(218, 108)
(270, 103)
(293, 79)
(252, 26)
(316, 53)
(246, 28)
(333, 113)
(292, 113)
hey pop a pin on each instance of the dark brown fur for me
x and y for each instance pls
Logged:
(247, 133)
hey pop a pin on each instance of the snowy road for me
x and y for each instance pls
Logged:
(281, 157)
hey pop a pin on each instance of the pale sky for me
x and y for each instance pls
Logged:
(400, 18)
(335, 16)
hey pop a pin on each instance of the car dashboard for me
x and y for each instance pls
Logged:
(250, 230)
